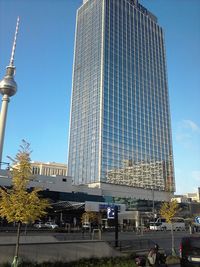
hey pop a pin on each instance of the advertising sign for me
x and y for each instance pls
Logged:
(110, 212)
(197, 219)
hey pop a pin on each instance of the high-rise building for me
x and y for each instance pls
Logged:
(120, 130)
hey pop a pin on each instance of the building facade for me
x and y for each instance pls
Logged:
(120, 131)
(48, 168)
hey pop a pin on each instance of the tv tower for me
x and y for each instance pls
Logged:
(8, 88)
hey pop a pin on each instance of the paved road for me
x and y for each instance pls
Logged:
(164, 239)
(161, 238)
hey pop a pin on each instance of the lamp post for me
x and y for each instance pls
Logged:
(116, 224)
(153, 207)
(153, 204)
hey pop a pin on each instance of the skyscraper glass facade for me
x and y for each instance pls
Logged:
(120, 122)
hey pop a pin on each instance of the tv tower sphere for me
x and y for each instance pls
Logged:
(8, 85)
(8, 88)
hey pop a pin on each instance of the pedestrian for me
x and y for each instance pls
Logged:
(140, 261)
(154, 258)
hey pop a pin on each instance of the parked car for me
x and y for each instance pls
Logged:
(39, 225)
(86, 226)
(190, 251)
(51, 225)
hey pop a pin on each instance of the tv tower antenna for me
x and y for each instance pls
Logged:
(8, 88)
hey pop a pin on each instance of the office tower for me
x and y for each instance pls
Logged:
(120, 130)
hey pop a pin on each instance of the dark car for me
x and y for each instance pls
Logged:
(190, 251)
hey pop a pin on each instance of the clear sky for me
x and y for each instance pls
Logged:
(39, 112)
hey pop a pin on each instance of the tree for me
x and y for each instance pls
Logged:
(18, 204)
(89, 216)
(168, 211)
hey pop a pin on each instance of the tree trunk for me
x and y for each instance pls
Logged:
(25, 231)
(17, 242)
(15, 260)
(172, 232)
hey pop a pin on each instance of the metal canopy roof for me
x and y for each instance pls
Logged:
(67, 205)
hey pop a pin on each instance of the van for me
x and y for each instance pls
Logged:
(160, 224)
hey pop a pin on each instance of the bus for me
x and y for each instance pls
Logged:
(160, 224)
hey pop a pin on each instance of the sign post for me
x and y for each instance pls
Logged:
(116, 225)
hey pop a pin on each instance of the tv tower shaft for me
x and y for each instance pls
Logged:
(8, 88)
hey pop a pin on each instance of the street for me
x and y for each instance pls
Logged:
(50, 240)
(163, 239)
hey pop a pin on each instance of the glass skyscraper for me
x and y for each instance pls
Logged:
(120, 130)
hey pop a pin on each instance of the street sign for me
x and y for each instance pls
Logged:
(197, 219)
(110, 212)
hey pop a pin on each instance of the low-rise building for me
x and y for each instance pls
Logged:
(181, 198)
(195, 197)
(48, 168)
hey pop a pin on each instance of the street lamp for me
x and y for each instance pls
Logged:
(153, 207)
(153, 204)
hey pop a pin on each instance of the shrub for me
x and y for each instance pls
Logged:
(5, 265)
(172, 259)
(92, 262)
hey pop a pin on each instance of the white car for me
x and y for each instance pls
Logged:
(51, 225)
(39, 225)
(86, 225)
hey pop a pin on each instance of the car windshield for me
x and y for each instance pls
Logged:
(195, 243)
(154, 224)
(192, 246)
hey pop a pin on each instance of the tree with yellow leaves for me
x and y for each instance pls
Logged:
(168, 211)
(89, 216)
(18, 204)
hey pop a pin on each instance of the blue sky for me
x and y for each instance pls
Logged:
(39, 112)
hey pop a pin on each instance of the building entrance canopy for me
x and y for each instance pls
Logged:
(68, 205)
